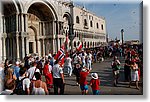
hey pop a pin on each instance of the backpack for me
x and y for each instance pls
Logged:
(19, 87)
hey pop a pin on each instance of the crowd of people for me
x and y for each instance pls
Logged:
(133, 67)
(38, 76)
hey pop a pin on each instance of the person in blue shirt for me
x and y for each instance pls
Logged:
(16, 69)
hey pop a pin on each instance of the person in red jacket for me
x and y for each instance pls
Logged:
(48, 75)
(94, 83)
(83, 82)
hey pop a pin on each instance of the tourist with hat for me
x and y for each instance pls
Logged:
(94, 83)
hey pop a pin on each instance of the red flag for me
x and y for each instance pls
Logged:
(60, 55)
(79, 47)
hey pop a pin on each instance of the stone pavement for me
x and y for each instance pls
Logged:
(105, 74)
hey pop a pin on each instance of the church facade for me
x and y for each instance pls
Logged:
(41, 26)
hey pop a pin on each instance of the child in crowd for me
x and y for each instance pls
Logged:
(94, 83)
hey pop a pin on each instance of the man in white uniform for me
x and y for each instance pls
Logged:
(58, 80)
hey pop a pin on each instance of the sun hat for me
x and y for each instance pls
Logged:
(94, 75)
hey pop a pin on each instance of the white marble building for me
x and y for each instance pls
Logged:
(40, 26)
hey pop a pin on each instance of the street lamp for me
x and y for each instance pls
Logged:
(122, 33)
(71, 32)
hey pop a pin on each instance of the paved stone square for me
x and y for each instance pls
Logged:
(105, 74)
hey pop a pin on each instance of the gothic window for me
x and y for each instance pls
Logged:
(77, 20)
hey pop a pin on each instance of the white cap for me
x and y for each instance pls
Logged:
(17, 62)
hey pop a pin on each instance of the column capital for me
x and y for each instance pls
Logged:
(17, 35)
(4, 35)
(38, 39)
(22, 37)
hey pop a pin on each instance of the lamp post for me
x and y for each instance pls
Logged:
(71, 32)
(122, 33)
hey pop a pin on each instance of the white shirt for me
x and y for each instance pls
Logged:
(31, 72)
(77, 59)
(38, 91)
(57, 70)
(50, 68)
(68, 61)
(89, 57)
(26, 82)
(50, 55)
(83, 59)
(117, 62)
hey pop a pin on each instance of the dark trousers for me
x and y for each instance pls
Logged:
(77, 74)
(58, 84)
(127, 74)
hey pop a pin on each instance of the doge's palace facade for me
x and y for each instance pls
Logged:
(41, 26)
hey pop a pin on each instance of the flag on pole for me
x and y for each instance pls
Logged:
(60, 55)
(79, 47)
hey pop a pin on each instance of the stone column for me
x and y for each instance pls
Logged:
(54, 47)
(43, 47)
(56, 28)
(8, 47)
(11, 47)
(50, 28)
(40, 29)
(4, 47)
(19, 22)
(43, 28)
(22, 23)
(39, 47)
(58, 42)
(58, 25)
(4, 25)
(23, 52)
(14, 49)
(26, 22)
(17, 46)
(16, 22)
(27, 44)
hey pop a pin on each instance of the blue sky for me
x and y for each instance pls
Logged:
(119, 15)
